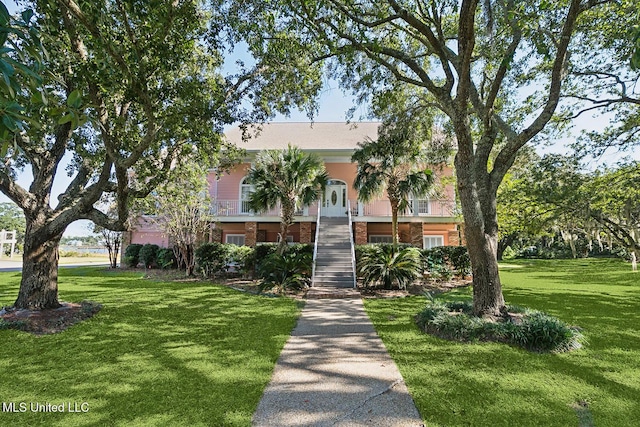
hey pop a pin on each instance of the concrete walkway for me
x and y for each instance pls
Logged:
(335, 371)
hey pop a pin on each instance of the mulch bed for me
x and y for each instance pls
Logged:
(49, 321)
(431, 286)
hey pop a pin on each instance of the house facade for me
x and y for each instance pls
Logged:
(431, 221)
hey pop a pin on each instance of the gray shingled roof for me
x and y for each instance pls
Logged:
(311, 137)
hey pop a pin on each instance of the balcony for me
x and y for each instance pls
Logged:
(227, 208)
(378, 208)
(382, 208)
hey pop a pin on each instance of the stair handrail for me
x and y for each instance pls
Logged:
(353, 251)
(315, 247)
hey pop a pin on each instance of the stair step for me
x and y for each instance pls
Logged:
(326, 284)
(344, 257)
(334, 263)
(334, 277)
(331, 268)
(335, 255)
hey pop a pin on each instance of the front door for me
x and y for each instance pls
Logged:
(335, 199)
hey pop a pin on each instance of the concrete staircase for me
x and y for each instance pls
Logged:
(333, 260)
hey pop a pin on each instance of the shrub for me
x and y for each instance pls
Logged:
(132, 255)
(301, 248)
(166, 258)
(434, 309)
(261, 253)
(459, 327)
(445, 261)
(534, 331)
(541, 332)
(433, 259)
(442, 272)
(390, 265)
(263, 250)
(243, 257)
(460, 260)
(292, 270)
(148, 254)
(212, 258)
(363, 250)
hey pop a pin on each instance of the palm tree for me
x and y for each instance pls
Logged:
(288, 178)
(392, 164)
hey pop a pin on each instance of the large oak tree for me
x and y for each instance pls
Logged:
(494, 68)
(128, 88)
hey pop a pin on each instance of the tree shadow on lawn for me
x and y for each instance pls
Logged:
(158, 353)
(494, 384)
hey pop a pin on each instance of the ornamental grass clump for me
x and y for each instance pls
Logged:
(541, 332)
(529, 329)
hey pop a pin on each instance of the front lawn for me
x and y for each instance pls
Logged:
(158, 353)
(488, 384)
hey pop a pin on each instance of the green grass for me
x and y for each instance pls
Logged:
(489, 384)
(158, 353)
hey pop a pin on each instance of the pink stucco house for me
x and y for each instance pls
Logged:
(432, 221)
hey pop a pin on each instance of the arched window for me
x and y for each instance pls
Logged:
(245, 190)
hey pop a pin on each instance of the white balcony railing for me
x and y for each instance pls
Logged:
(226, 208)
(378, 208)
(433, 208)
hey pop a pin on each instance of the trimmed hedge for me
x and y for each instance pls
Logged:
(440, 258)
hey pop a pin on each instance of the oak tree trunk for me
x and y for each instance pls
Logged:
(39, 285)
(487, 288)
(478, 202)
